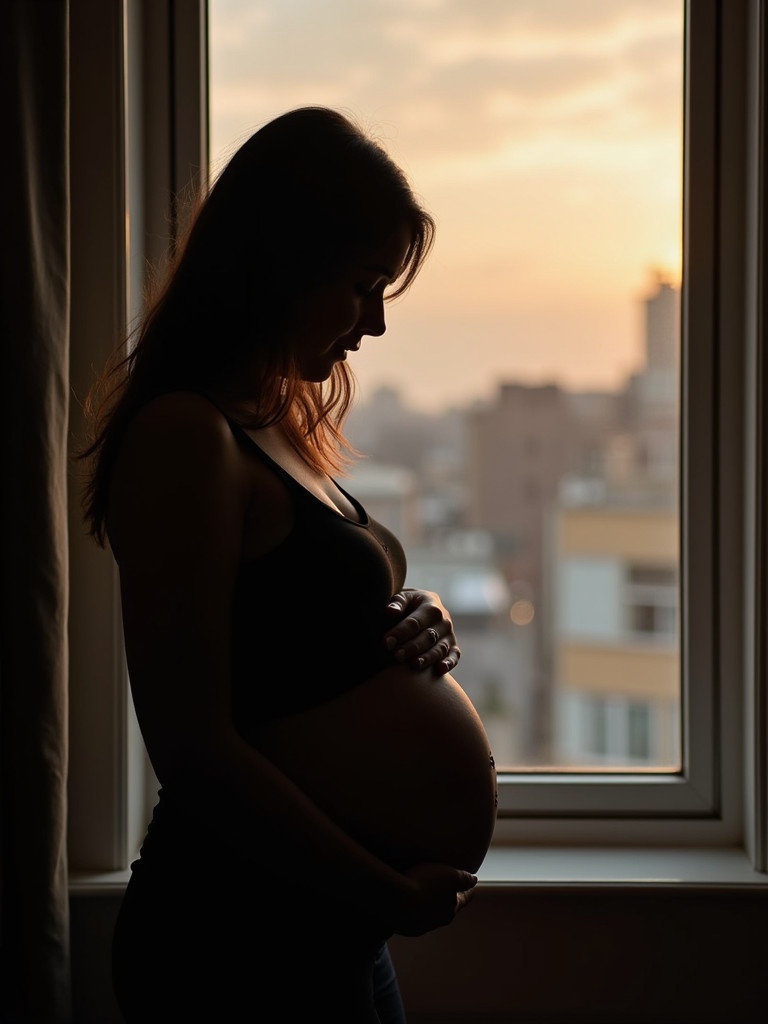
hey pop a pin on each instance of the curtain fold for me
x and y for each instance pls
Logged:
(34, 385)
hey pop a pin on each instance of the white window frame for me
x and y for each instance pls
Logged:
(139, 138)
(150, 82)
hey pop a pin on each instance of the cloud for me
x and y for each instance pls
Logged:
(445, 75)
(545, 135)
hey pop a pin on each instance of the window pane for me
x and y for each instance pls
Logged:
(521, 414)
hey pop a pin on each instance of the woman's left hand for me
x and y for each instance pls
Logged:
(423, 636)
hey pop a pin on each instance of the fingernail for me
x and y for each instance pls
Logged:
(390, 643)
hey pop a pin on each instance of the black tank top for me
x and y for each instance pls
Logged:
(308, 617)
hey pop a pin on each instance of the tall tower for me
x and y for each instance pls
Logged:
(662, 328)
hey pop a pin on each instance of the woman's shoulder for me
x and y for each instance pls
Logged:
(183, 434)
(180, 411)
(183, 425)
(178, 460)
(176, 434)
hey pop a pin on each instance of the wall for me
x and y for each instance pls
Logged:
(590, 955)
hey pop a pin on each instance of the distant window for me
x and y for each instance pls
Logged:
(639, 731)
(598, 727)
(651, 598)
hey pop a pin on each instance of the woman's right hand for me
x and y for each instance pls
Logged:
(436, 893)
(423, 634)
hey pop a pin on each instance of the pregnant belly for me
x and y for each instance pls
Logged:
(401, 762)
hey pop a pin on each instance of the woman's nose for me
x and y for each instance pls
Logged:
(373, 321)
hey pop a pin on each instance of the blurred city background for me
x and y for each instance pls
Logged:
(520, 417)
(547, 520)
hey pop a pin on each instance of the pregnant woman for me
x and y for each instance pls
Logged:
(325, 782)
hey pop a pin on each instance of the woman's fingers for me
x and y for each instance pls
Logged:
(424, 635)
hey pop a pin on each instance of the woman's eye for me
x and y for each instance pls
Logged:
(369, 292)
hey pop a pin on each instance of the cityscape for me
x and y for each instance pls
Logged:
(543, 507)
(547, 520)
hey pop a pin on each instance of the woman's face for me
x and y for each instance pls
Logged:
(338, 315)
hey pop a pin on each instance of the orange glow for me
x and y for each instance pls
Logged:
(522, 612)
(548, 149)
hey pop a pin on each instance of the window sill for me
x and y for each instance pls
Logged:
(550, 867)
(97, 883)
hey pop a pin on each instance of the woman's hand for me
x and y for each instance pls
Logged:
(436, 894)
(423, 636)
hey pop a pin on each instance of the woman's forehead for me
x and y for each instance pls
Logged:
(388, 256)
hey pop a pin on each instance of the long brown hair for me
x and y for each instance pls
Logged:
(301, 199)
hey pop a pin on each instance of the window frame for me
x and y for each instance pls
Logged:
(702, 803)
(156, 68)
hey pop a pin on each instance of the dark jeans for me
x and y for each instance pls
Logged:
(205, 946)
(386, 991)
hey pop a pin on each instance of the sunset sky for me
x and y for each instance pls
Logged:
(543, 135)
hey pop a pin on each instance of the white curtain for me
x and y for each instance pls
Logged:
(34, 380)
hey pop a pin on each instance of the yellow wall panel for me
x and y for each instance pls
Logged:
(642, 673)
(638, 535)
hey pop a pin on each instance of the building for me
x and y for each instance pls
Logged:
(615, 637)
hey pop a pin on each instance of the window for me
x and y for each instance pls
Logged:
(651, 601)
(639, 731)
(695, 797)
(548, 437)
(522, 333)
(604, 732)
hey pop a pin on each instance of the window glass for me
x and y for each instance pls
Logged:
(520, 417)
